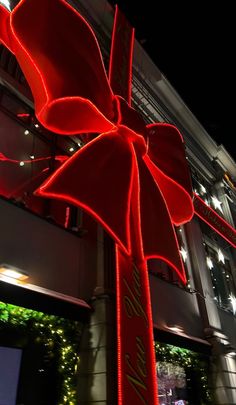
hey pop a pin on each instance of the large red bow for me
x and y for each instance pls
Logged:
(129, 164)
(132, 178)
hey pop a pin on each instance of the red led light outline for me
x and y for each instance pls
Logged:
(187, 217)
(146, 279)
(49, 103)
(22, 47)
(5, 38)
(118, 325)
(41, 192)
(130, 57)
(61, 159)
(23, 115)
(105, 125)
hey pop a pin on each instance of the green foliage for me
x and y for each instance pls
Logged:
(189, 360)
(59, 337)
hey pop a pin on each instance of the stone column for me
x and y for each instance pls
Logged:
(97, 371)
(223, 365)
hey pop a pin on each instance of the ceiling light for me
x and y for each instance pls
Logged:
(12, 273)
(175, 328)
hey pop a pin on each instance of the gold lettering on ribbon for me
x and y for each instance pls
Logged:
(132, 301)
(137, 373)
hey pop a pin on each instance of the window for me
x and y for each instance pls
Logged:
(161, 269)
(207, 193)
(28, 155)
(182, 376)
(222, 279)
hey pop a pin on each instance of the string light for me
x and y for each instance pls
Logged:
(190, 361)
(209, 263)
(26, 132)
(183, 253)
(221, 256)
(57, 335)
(22, 163)
(216, 203)
(203, 189)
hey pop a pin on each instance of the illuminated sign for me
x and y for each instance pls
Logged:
(215, 221)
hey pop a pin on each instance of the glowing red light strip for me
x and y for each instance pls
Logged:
(121, 56)
(3, 158)
(23, 115)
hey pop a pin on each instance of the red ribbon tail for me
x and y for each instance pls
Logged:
(137, 381)
(158, 234)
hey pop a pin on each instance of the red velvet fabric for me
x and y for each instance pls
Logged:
(61, 60)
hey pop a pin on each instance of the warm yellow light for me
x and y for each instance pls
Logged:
(175, 328)
(12, 273)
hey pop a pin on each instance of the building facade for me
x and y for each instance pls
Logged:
(61, 309)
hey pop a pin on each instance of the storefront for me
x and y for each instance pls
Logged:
(183, 375)
(39, 347)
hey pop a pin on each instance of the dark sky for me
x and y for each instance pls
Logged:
(193, 44)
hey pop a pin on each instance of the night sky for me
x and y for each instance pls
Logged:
(194, 46)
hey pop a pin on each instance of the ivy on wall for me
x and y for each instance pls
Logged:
(189, 360)
(60, 337)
